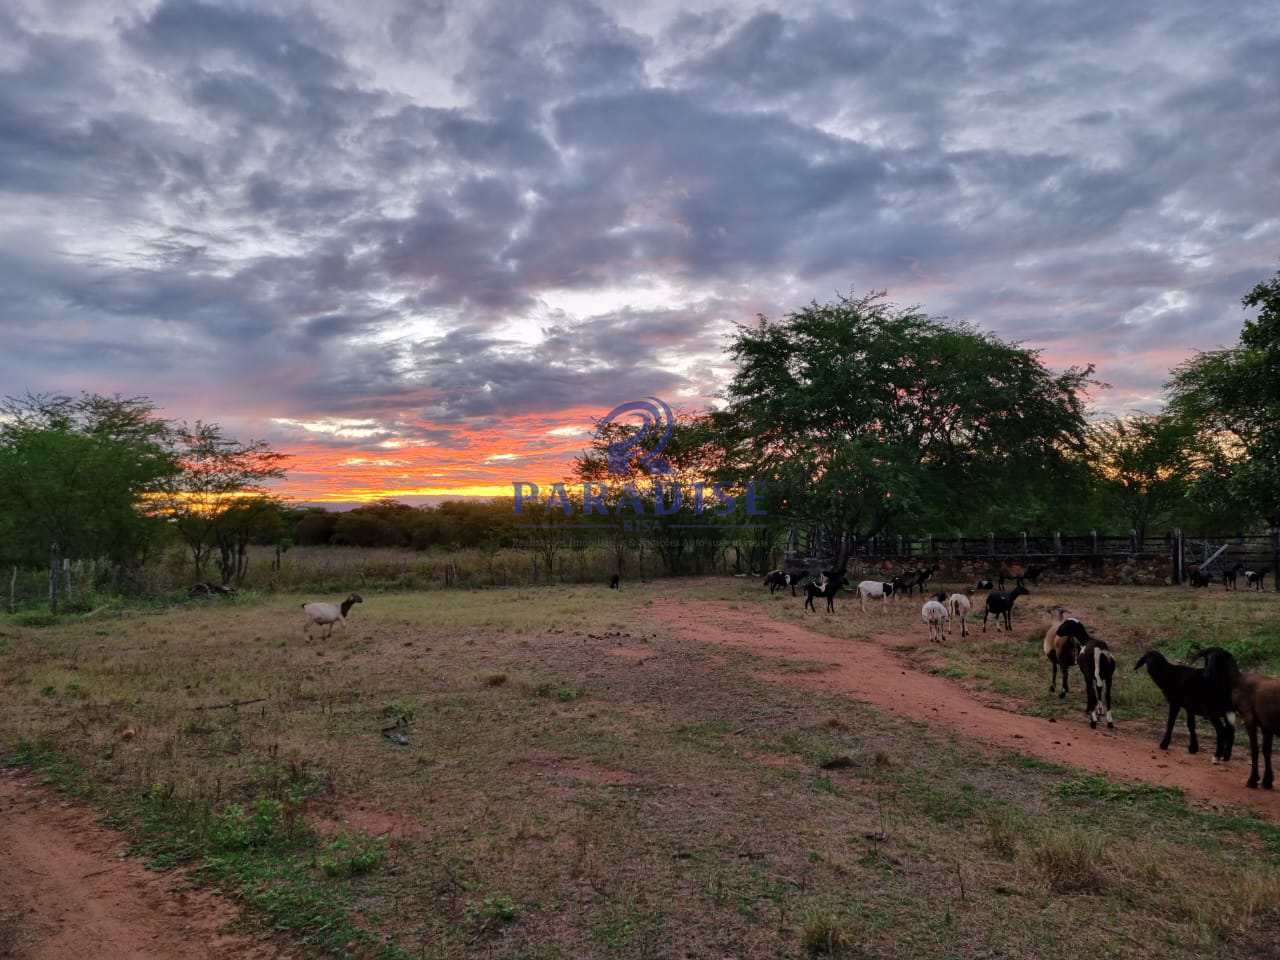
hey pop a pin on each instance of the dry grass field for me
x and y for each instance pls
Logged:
(572, 781)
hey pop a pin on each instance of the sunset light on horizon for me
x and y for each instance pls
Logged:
(420, 248)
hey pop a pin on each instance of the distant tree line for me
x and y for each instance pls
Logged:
(857, 416)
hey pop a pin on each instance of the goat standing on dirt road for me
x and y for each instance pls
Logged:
(1205, 693)
(935, 615)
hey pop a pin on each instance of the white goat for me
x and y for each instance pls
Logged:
(935, 615)
(327, 614)
(958, 606)
(873, 590)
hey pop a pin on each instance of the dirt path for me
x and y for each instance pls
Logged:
(870, 672)
(66, 893)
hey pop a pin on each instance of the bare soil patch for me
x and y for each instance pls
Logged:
(76, 896)
(870, 672)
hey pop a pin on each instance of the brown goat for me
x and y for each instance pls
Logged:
(1257, 702)
(1060, 649)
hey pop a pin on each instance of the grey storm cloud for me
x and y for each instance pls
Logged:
(429, 215)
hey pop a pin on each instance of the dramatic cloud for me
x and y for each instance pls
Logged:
(421, 245)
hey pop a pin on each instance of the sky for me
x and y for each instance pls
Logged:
(421, 245)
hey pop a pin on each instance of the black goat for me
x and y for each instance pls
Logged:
(1255, 578)
(1231, 575)
(985, 585)
(1198, 578)
(1001, 604)
(1205, 693)
(827, 587)
(615, 582)
(1098, 666)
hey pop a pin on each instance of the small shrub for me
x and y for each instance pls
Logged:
(492, 912)
(495, 680)
(826, 934)
(1001, 831)
(350, 855)
(1071, 860)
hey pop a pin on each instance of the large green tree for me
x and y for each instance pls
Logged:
(1143, 473)
(75, 475)
(1229, 400)
(867, 416)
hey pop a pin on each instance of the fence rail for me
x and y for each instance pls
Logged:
(1185, 551)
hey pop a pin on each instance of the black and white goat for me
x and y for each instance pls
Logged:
(1098, 666)
(827, 587)
(1001, 604)
(779, 580)
(875, 590)
(327, 614)
(1255, 578)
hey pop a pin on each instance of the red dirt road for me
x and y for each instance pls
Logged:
(68, 894)
(871, 673)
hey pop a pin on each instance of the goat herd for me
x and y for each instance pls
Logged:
(1218, 691)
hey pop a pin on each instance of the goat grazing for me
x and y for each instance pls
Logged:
(934, 613)
(1062, 641)
(1098, 666)
(985, 585)
(958, 606)
(875, 590)
(778, 580)
(1204, 693)
(1254, 578)
(826, 587)
(327, 614)
(1257, 701)
(1231, 576)
(1198, 578)
(1001, 604)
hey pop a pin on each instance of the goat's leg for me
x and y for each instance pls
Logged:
(1267, 779)
(1091, 702)
(1194, 745)
(1111, 724)
(1053, 677)
(985, 614)
(1168, 727)
(1066, 671)
(1252, 727)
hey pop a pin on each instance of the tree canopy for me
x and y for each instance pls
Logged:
(864, 414)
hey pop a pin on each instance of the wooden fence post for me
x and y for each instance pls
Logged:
(991, 544)
(1177, 555)
(1057, 542)
(1275, 557)
(1094, 535)
(1024, 543)
(1133, 542)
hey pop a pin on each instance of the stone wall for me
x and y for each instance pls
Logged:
(1142, 569)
